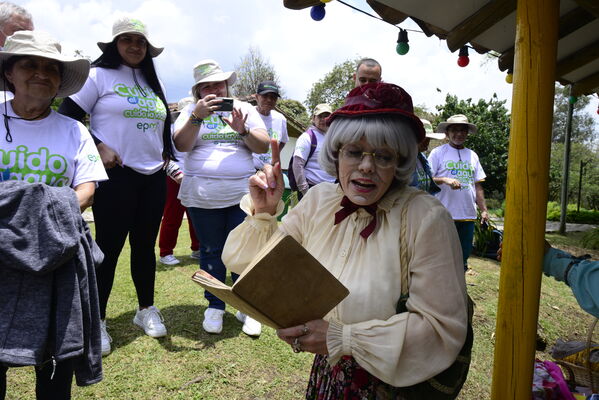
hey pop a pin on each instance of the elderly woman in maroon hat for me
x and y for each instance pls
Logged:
(364, 347)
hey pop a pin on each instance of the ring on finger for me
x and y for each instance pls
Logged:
(296, 345)
(305, 330)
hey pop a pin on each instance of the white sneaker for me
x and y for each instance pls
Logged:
(105, 339)
(251, 327)
(195, 254)
(169, 260)
(213, 320)
(151, 321)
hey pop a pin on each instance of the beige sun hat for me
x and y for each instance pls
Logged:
(428, 130)
(322, 108)
(458, 119)
(131, 25)
(41, 44)
(209, 71)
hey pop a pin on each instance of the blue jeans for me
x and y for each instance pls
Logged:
(212, 227)
(466, 234)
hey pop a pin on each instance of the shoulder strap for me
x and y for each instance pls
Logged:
(313, 143)
(403, 252)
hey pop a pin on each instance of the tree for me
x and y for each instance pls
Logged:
(333, 88)
(490, 142)
(589, 155)
(295, 109)
(583, 125)
(253, 69)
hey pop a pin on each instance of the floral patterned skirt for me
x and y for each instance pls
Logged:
(346, 380)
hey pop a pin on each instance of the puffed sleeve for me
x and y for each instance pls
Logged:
(249, 237)
(410, 347)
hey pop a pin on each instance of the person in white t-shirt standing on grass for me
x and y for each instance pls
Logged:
(267, 96)
(306, 169)
(131, 126)
(219, 142)
(459, 174)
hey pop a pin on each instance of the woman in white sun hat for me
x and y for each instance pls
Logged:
(217, 167)
(40, 146)
(130, 124)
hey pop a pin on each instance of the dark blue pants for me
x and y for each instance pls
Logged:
(212, 227)
(466, 234)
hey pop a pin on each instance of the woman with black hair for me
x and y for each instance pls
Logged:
(130, 125)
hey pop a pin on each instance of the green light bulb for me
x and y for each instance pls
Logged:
(402, 48)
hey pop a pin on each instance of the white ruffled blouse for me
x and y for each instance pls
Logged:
(400, 349)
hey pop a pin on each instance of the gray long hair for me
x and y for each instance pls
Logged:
(379, 130)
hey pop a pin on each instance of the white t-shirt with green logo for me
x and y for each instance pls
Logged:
(125, 118)
(276, 126)
(463, 165)
(56, 150)
(219, 165)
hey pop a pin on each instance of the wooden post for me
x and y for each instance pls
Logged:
(526, 198)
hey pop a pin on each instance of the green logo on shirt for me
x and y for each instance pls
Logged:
(40, 166)
(146, 105)
(462, 171)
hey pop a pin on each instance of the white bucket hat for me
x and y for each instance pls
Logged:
(428, 130)
(41, 44)
(458, 119)
(209, 71)
(131, 25)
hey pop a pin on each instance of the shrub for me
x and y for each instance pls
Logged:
(590, 240)
(583, 216)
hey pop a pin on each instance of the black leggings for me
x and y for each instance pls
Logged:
(57, 388)
(128, 203)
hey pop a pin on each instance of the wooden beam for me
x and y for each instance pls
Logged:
(387, 13)
(578, 59)
(526, 198)
(591, 6)
(479, 22)
(568, 23)
(587, 85)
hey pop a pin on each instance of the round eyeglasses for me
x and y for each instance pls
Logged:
(382, 158)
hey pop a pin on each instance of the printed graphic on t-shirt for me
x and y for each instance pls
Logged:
(463, 171)
(267, 157)
(144, 105)
(221, 132)
(36, 166)
(423, 179)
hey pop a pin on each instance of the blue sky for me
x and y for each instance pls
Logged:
(300, 49)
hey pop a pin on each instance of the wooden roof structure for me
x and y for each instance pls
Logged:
(541, 41)
(490, 25)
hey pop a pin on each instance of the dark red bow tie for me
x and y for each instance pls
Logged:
(349, 208)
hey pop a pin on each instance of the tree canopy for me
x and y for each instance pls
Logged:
(252, 69)
(333, 87)
(295, 109)
(583, 125)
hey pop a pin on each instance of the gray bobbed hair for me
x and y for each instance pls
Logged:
(379, 130)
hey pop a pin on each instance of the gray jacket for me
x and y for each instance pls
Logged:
(49, 306)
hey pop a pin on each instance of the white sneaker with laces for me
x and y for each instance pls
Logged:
(105, 339)
(151, 321)
(251, 327)
(195, 254)
(213, 320)
(169, 259)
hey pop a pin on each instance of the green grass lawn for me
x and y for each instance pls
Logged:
(191, 364)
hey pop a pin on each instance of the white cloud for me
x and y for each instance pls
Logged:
(300, 49)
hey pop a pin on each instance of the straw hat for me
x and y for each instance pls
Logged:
(428, 130)
(322, 108)
(209, 71)
(130, 25)
(458, 119)
(41, 44)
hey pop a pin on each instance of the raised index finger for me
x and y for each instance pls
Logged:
(276, 153)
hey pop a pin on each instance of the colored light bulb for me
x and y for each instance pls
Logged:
(463, 61)
(318, 12)
(402, 48)
(572, 99)
(509, 78)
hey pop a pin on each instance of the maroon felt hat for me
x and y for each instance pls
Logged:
(380, 98)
